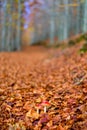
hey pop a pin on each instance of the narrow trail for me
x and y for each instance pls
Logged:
(37, 74)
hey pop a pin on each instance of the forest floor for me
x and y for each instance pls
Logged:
(43, 89)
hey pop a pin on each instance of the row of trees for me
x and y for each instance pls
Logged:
(57, 20)
(45, 19)
(10, 26)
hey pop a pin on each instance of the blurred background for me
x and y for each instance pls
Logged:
(28, 22)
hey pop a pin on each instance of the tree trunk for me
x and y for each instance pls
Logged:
(9, 31)
(52, 23)
(66, 21)
(85, 17)
(4, 25)
(18, 34)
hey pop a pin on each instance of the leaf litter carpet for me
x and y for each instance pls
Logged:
(43, 89)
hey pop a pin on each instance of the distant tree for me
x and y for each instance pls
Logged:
(11, 19)
(4, 7)
(85, 17)
(18, 34)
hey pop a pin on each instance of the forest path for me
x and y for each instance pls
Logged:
(37, 74)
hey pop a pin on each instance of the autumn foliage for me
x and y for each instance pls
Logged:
(47, 76)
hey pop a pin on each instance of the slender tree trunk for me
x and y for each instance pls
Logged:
(60, 22)
(18, 33)
(9, 32)
(52, 23)
(57, 19)
(85, 17)
(66, 21)
(81, 16)
(78, 18)
(0, 24)
(35, 28)
(4, 25)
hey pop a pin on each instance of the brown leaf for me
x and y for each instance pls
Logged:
(26, 105)
(50, 123)
(60, 127)
(32, 114)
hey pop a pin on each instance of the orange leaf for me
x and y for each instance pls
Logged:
(60, 127)
(27, 105)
